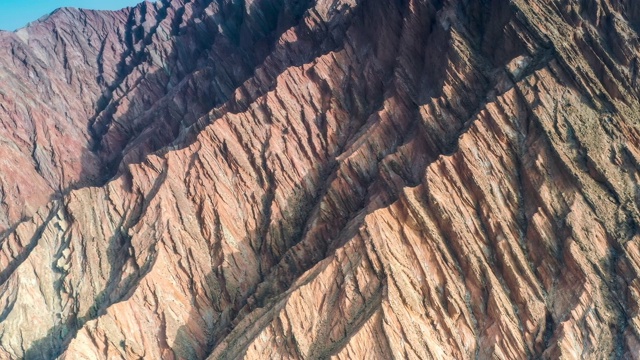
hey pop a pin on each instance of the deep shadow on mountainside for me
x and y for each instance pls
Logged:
(348, 179)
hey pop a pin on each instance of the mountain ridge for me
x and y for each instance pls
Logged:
(345, 179)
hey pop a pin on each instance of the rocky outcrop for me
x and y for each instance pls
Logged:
(330, 178)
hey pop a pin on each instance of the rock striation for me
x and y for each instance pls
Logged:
(311, 179)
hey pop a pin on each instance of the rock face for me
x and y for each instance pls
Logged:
(311, 179)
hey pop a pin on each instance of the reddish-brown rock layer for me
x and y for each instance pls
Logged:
(370, 179)
(84, 92)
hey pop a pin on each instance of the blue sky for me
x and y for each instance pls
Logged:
(15, 14)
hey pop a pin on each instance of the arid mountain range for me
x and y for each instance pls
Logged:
(315, 179)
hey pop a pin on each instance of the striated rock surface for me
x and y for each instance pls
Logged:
(348, 179)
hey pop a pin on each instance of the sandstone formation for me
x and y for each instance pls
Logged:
(312, 179)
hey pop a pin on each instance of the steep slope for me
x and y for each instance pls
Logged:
(378, 179)
(85, 92)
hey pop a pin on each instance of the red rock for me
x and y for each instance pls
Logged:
(345, 179)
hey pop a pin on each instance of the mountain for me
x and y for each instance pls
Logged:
(311, 179)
